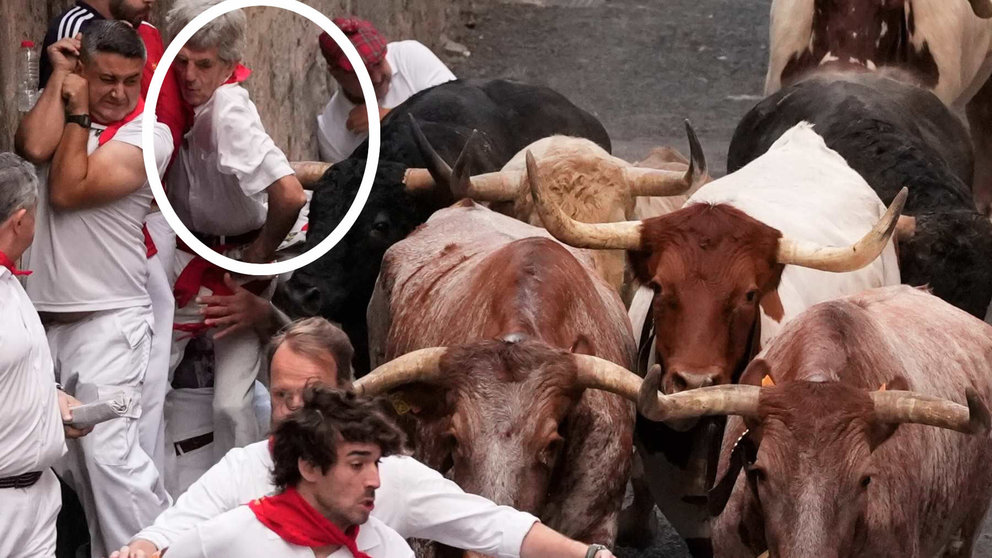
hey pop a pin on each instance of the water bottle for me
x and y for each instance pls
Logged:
(27, 87)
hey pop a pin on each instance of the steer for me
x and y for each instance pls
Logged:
(829, 471)
(894, 135)
(486, 326)
(507, 115)
(943, 45)
(747, 253)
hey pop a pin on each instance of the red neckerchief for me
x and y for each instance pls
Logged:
(112, 130)
(288, 515)
(9, 264)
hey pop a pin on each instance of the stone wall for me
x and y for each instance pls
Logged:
(289, 85)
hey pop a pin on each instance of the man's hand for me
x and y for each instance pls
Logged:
(138, 548)
(237, 312)
(64, 54)
(66, 403)
(358, 119)
(75, 93)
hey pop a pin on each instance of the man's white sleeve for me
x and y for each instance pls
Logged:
(215, 492)
(416, 501)
(425, 68)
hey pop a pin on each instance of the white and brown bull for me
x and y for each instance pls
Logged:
(749, 251)
(485, 328)
(586, 182)
(943, 45)
(828, 470)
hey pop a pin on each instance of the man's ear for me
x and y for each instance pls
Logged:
(309, 471)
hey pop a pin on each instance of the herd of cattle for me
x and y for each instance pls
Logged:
(551, 322)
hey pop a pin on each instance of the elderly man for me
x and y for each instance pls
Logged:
(413, 499)
(326, 471)
(398, 70)
(90, 265)
(29, 399)
(235, 190)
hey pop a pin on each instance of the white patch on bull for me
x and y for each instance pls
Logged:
(828, 57)
(853, 60)
(885, 29)
(854, 34)
(870, 64)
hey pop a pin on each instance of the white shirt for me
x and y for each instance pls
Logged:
(94, 259)
(414, 68)
(239, 533)
(225, 164)
(413, 499)
(31, 435)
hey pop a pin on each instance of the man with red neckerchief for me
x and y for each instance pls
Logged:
(326, 471)
(90, 263)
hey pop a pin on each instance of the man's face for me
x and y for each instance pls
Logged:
(380, 73)
(200, 73)
(131, 11)
(289, 373)
(346, 493)
(113, 85)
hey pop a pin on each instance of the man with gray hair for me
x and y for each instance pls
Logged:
(237, 193)
(90, 263)
(32, 438)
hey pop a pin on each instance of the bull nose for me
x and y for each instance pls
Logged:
(683, 380)
(298, 299)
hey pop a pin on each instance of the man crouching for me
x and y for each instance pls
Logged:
(326, 470)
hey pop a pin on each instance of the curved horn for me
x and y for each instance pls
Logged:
(598, 373)
(701, 402)
(489, 187)
(917, 408)
(847, 258)
(309, 172)
(437, 166)
(654, 182)
(422, 365)
(982, 8)
(605, 236)
(418, 180)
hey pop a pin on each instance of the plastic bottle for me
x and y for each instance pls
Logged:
(27, 86)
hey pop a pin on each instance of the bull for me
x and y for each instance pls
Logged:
(828, 469)
(485, 329)
(894, 135)
(943, 45)
(507, 115)
(749, 251)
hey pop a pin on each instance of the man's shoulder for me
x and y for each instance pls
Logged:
(407, 48)
(69, 22)
(381, 541)
(253, 454)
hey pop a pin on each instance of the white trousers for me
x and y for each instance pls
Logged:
(238, 361)
(117, 483)
(27, 518)
(151, 424)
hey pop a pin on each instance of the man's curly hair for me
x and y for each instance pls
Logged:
(329, 416)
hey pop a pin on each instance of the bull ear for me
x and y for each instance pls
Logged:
(879, 431)
(755, 372)
(583, 346)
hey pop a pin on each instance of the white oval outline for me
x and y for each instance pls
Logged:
(151, 168)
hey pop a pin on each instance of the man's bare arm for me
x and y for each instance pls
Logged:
(286, 199)
(40, 130)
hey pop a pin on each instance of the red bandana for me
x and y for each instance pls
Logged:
(9, 264)
(111, 130)
(296, 522)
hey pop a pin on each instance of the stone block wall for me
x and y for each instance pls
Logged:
(289, 83)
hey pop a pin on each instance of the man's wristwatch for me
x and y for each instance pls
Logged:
(81, 119)
(594, 550)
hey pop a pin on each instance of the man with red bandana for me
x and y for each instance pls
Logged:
(397, 70)
(326, 472)
(90, 264)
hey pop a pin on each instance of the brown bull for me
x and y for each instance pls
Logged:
(486, 326)
(828, 470)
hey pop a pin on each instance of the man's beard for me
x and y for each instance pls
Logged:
(121, 11)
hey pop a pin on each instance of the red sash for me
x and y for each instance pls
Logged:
(5, 261)
(290, 516)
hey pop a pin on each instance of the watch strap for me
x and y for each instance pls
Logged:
(80, 119)
(594, 549)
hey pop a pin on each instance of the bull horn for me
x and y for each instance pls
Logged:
(695, 403)
(309, 172)
(422, 365)
(489, 187)
(598, 373)
(454, 178)
(917, 408)
(654, 182)
(846, 258)
(605, 236)
(982, 8)
(418, 180)
(436, 165)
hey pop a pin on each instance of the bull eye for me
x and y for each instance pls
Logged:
(751, 296)
(865, 481)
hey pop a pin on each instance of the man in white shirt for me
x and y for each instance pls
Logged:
(413, 499)
(32, 437)
(326, 472)
(398, 70)
(235, 190)
(90, 263)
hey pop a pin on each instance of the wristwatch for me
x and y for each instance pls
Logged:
(594, 550)
(81, 119)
